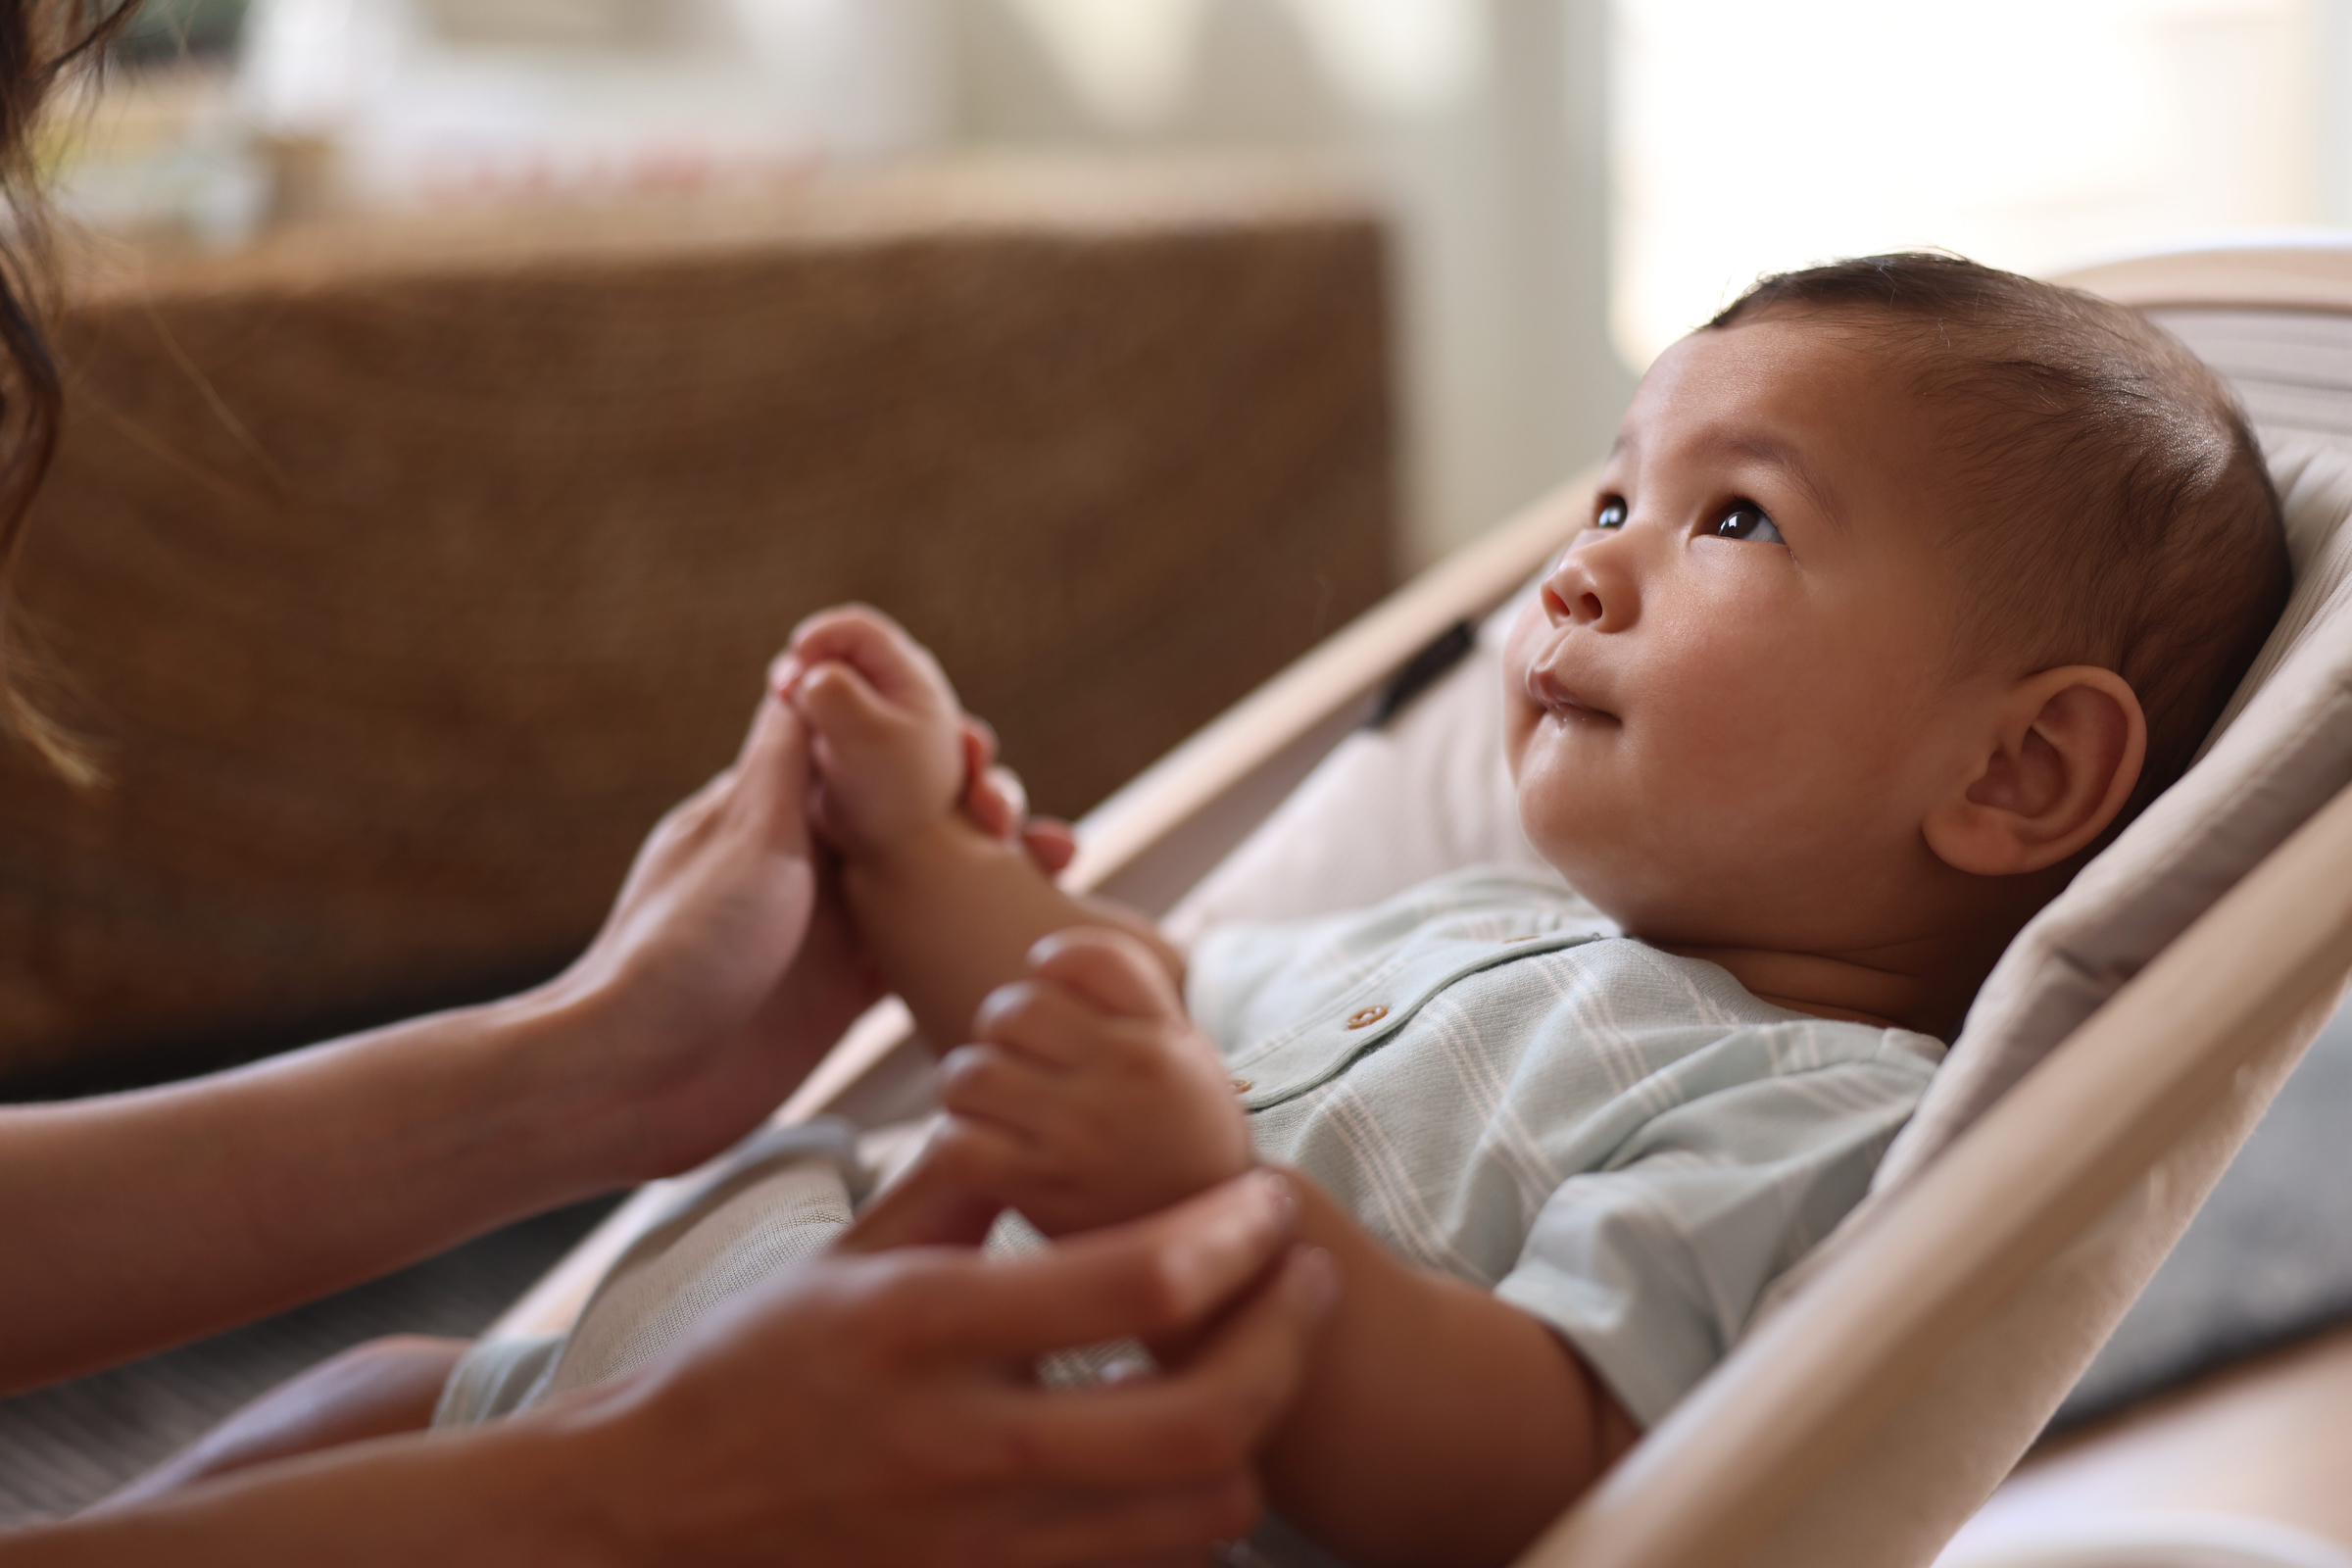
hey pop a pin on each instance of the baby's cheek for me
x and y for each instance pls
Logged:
(1555, 812)
(1518, 724)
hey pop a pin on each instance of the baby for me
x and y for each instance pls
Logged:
(1906, 583)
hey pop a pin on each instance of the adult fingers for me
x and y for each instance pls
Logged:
(993, 798)
(1051, 842)
(979, 743)
(1166, 1271)
(1202, 1419)
(682, 827)
(1108, 968)
(925, 1207)
(771, 774)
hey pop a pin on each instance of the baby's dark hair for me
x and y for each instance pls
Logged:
(2118, 509)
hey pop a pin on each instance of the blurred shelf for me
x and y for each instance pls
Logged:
(913, 200)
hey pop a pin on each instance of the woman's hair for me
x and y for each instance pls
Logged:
(41, 43)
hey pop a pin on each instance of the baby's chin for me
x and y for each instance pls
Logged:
(1581, 868)
(1641, 898)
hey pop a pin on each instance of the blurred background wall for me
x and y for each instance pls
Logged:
(1571, 184)
(468, 394)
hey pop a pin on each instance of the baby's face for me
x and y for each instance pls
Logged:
(1722, 708)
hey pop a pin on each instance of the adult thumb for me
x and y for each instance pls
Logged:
(772, 775)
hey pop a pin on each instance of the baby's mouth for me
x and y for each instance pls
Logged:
(1548, 694)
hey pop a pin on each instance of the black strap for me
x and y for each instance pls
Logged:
(1420, 671)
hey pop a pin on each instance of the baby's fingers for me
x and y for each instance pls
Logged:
(1108, 968)
(991, 1085)
(1049, 1023)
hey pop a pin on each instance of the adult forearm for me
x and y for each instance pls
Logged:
(1438, 1425)
(145, 1219)
(502, 1496)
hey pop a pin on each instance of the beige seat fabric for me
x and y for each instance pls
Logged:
(781, 1196)
(2284, 747)
(1388, 808)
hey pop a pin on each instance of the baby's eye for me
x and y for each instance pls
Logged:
(1611, 514)
(1746, 520)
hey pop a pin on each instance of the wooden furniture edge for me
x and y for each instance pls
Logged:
(1345, 668)
(2314, 275)
(2040, 1167)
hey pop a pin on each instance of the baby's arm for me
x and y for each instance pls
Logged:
(1436, 1424)
(946, 911)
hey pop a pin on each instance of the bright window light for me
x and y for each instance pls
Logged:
(2033, 134)
(1130, 59)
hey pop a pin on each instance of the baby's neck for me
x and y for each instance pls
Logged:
(1891, 988)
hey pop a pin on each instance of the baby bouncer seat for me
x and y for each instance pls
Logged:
(2113, 1061)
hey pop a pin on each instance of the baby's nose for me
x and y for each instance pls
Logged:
(1569, 602)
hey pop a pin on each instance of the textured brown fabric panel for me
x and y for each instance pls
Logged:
(406, 600)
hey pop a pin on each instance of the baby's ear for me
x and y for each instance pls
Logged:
(2059, 763)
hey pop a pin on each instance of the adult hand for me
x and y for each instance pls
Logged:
(880, 1408)
(722, 971)
(874, 1412)
(993, 798)
(728, 967)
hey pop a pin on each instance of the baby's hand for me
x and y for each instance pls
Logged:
(888, 737)
(1090, 1099)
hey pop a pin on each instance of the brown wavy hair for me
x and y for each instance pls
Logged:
(42, 43)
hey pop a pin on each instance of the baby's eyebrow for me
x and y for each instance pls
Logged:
(1793, 463)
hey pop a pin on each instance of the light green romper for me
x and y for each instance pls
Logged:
(1622, 1142)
